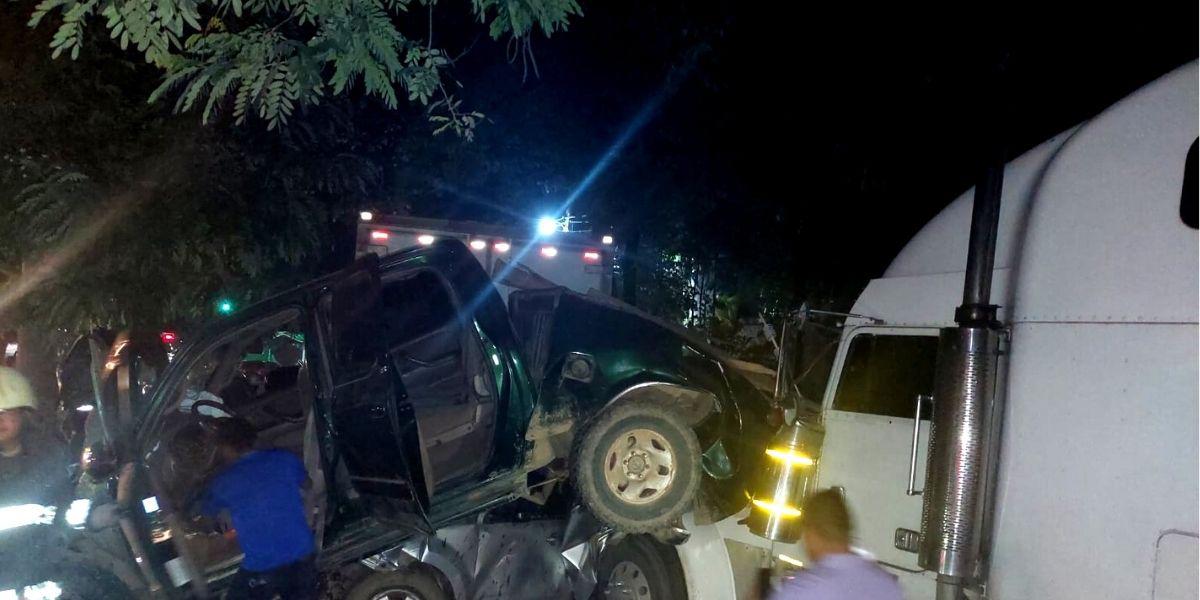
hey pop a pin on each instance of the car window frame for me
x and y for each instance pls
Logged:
(152, 421)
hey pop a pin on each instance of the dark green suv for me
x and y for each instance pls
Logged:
(418, 398)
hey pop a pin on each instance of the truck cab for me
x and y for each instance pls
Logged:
(1096, 277)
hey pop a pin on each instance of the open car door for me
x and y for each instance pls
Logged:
(374, 421)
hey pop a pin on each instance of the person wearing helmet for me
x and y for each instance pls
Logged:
(33, 467)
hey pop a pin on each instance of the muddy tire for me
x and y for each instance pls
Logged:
(638, 568)
(405, 584)
(637, 468)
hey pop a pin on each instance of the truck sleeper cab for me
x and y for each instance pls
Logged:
(1096, 275)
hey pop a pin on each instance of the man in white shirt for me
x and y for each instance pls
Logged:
(834, 572)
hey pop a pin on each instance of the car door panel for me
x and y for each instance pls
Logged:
(374, 419)
(441, 368)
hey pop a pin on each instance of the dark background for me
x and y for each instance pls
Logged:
(788, 150)
(799, 144)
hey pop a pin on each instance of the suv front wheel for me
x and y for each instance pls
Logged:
(638, 467)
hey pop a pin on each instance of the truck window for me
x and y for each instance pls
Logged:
(884, 373)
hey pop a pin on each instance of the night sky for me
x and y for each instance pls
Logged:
(802, 143)
(790, 145)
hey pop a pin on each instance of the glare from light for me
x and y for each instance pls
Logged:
(478, 244)
(9, 595)
(366, 215)
(502, 247)
(790, 457)
(46, 590)
(547, 226)
(648, 109)
(21, 515)
(225, 307)
(591, 256)
(77, 513)
(496, 359)
(10, 349)
(782, 510)
(85, 408)
(607, 240)
(791, 561)
(379, 236)
(425, 239)
(549, 251)
(150, 505)
(168, 337)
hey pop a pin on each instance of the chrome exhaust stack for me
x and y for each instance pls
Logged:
(965, 412)
(964, 432)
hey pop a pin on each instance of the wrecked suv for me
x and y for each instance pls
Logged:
(417, 398)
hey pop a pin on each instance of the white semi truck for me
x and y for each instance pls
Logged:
(1092, 492)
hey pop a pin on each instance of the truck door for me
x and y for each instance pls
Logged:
(373, 417)
(869, 409)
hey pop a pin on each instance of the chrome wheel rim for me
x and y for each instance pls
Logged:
(639, 466)
(396, 594)
(627, 582)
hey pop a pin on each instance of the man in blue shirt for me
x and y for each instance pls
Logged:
(262, 491)
(835, 572)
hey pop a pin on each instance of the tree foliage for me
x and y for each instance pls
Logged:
(265, 58)
(162, 249)
(125, 216)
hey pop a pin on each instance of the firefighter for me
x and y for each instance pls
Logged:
(33, 466)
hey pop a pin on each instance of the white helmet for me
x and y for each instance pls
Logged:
(15, 391)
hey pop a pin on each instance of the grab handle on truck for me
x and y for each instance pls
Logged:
(912, 457)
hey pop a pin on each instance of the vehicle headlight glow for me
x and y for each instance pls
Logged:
(547, 225)
(77, 514)
(46, 590)
(25, 514)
